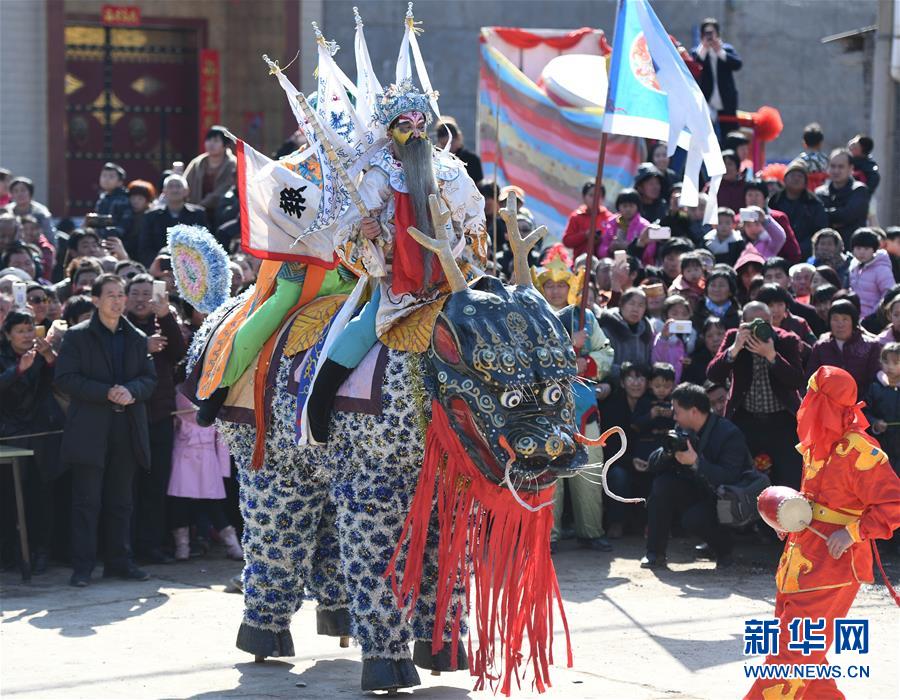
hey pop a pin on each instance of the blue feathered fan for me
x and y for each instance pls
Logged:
(200, 266)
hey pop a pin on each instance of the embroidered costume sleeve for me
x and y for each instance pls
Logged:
(873, 484)
(466, 208)
(854, 488)
(352, 247)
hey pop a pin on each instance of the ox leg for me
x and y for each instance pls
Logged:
(281, 512)
(371, 506)
(326, 582)
(450, 657)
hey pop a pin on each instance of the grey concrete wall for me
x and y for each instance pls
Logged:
(23, 91)
(785, 64)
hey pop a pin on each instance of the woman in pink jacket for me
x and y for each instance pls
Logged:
(871, 274)
(624, 228)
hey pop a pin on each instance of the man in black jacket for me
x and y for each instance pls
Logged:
(805, 211)
(176, 210)
(105, 369)
(845, 199)
(720, 61)
(716, 454)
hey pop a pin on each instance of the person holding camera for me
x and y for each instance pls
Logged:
(763, 364)
(704, 452)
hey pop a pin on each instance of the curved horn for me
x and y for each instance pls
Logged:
(440, 244)
(518, 245)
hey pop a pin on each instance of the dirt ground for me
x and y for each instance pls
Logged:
(635, 634)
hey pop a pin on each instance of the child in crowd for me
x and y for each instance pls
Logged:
(883, 404)
(653, 415)
(113, 199)
(690, 283)
(672, 345)
(723, 240)
(200, 462)
(871, 274)
(883, 410)
(762, 231)
(865, 169)
(891, 334)
(625, 227)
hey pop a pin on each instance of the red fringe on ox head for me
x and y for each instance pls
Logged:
(486, 535)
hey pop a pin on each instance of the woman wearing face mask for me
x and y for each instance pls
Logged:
(27, 406)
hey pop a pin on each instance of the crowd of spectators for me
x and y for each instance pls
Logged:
(92, 349)
(715, 329)
(709, 333)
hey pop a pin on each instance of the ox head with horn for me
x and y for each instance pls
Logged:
(502, 366)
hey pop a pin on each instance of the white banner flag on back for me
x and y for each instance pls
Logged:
(279, 203)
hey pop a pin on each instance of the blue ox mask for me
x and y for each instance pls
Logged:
(502, 366)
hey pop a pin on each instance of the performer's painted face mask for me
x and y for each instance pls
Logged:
(409, 125)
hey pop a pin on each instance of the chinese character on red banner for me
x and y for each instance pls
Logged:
(120, 16)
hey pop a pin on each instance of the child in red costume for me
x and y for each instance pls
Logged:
(855, 497)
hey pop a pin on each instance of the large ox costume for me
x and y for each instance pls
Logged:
(382, 492)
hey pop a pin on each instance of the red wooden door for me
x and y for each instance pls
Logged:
(131, 98)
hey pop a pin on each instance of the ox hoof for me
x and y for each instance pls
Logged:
(388, 674)
(263, 643)
(259, 659)
(442, 661)
(333, 623)
(345, 641)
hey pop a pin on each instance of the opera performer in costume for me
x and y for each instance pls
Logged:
(855, 498)
(403, 303)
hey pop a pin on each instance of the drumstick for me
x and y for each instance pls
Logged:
(824, 537)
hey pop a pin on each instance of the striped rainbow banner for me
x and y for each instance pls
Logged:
(548, 150)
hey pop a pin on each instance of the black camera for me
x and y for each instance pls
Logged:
(102, 224)
(761, 329)
(674, 441)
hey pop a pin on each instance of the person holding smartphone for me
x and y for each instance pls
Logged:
(147, 307)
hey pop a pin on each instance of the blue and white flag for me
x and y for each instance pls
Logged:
(652, 94)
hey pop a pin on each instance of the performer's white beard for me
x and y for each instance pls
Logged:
(415, 157)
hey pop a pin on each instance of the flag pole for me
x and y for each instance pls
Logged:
(496, 160)
(595, 208)
(595, 200)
